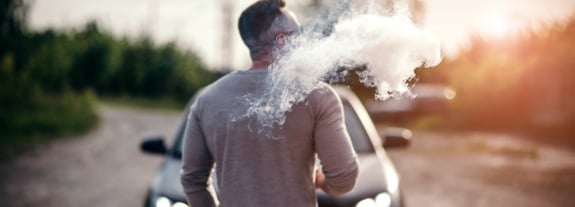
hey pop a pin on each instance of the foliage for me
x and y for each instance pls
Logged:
(520, 82)
(45, 115)
(13, 16)
(93, 59)
(49, 79)
(31, 116)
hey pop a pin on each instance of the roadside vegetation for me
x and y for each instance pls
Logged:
(50, 80)
(522, 82)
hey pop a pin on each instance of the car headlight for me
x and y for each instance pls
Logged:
(166, 202)
(368, 202)
(381, 200)
(163, 202)
(180, 204)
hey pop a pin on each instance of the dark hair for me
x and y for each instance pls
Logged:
(257, 20)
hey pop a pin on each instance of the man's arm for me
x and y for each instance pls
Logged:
(197, 163)
(333, 145)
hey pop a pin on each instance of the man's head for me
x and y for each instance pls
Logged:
(264, 25)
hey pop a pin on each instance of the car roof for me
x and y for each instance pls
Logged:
(347, 95)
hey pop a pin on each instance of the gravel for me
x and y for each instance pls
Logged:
(102, 168)
(106, 168)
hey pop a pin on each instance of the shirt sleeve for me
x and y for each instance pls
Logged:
(332, 143)
(197, 162)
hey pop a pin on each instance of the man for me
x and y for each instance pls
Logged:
(254, 170)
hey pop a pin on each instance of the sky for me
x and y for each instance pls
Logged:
(198, 24)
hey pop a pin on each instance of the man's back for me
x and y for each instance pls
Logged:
(258, 166)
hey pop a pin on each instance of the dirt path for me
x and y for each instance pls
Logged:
(103, 168)
(476, 170)
(106, 168)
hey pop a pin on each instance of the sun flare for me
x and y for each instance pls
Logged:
(496, 25)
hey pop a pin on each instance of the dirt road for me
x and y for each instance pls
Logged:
(106, 169)
(477, 170)
(102, 169)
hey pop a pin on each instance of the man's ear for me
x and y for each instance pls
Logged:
(280, 40)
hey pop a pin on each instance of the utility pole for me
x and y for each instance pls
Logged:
(227, 42)
(152, 24)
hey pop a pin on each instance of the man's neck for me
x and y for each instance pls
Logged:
(261, 64)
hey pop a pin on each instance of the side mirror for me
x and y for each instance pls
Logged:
(154, 145)
(396, 137)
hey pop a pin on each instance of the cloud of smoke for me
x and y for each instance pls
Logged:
(384, 41)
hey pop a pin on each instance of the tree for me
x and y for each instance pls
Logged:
(13, 16)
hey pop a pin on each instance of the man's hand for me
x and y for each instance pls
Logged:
(319, 178)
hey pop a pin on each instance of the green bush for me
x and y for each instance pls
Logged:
(30, 116)
(47, 115)
(44, 77)
(510, 84)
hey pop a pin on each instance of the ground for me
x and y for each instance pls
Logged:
(478, 169)
(106, 168)
(103, 168)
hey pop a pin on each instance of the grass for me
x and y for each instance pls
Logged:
(146, 103)
(30, 121)
(40, 118)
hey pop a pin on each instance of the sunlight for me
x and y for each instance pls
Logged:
(495, 25)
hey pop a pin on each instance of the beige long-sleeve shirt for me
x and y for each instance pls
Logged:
(255, 171)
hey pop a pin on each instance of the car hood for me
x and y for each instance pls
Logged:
(167, 181)
(374, 173)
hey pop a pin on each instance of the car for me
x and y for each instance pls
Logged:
(378, 183)
(429, 99)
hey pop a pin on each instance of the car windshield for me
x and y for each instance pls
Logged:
(359, 138)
